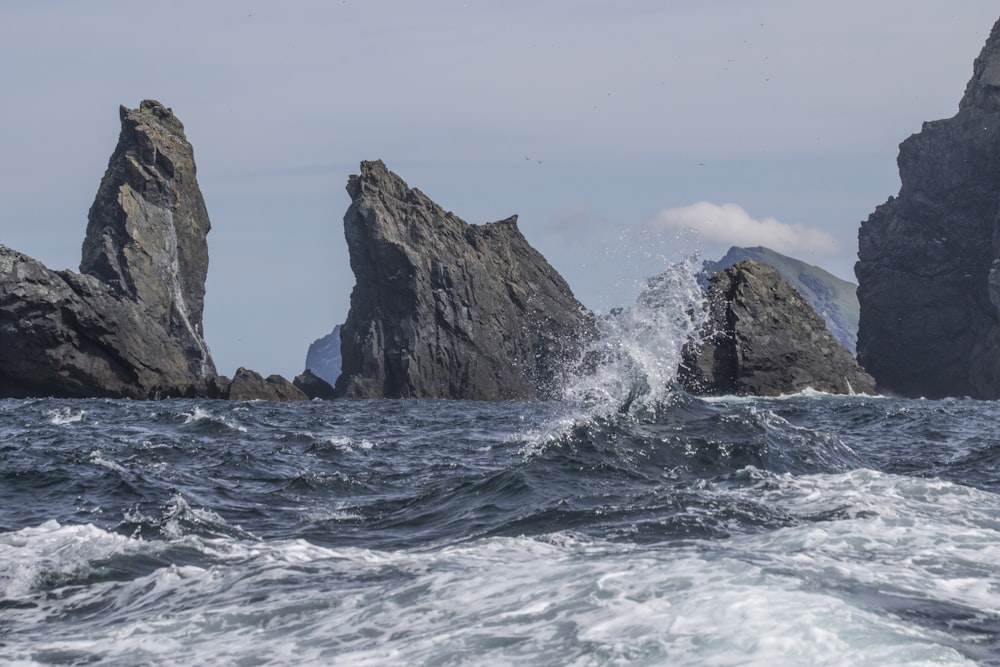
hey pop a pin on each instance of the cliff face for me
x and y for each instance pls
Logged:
(929, 259)
(131, 325)
(762, 338)
(446, 309)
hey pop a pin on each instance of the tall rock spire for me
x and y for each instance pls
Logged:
(131, 324)
(147, 229)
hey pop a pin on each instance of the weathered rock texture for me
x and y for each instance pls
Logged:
(446, 309)
(763, 338)
(835, 300)
(248, 385)
(929, 259)
(131, 325)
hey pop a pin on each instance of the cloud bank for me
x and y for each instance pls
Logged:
(730, 224)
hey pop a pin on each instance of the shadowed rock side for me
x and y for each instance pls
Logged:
(446, 309)
(929, 259)
(763, 338)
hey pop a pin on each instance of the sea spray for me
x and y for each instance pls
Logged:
(638, 350)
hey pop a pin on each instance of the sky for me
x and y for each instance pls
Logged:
(626, 134)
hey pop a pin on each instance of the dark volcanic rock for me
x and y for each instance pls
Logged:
(446, 309)
(764, 339)
(314, 386)
(131, 325)
(929, 259)
(249, 385)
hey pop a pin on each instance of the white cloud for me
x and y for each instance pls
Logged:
(730, 224)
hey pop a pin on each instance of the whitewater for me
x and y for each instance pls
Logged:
(629, 524)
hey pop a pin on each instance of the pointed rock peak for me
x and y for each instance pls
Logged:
(983, 91)
(147, 228)
(376, 177)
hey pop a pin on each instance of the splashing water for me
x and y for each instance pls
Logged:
(639, 348)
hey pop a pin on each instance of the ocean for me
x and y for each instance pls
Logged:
(628, 524)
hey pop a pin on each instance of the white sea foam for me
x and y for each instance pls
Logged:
(199, 414)
(64, 416)
(639, 347)
(561, 599)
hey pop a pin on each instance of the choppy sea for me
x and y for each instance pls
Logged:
(658, 530)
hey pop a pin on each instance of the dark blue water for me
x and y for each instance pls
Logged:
(805, 530)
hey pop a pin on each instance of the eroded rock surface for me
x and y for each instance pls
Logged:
(131, 324)
(762, 338)
(442, 308)
(929, 259)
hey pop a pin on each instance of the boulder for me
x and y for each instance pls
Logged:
(442, 308)
(762, 338)
(929, 259)
(130, 325)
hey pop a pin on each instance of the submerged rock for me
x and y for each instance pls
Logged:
(131, 324)
(762, 338)
(446, 309)
(929, 259)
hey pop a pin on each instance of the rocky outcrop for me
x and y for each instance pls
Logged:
(762, 338)
(314, 386)
(131, 324)
(323, 356)
(446, 309)
(835, 300)
(929, 259)
(248, 385)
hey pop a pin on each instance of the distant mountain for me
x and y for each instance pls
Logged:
(323, 357)
(834, 299)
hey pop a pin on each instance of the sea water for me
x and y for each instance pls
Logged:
(653, 528)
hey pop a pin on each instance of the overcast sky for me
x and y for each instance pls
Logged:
(624, 133)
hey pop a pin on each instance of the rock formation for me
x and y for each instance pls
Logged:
(323, 356)
(314, 386)
(446, 309)
(130, 325)
(835, 300)
(249, 385)
(929, 259)
(762, 338)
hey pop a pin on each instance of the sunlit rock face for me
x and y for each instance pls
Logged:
(442, 308)
(929, 259)
(131, 323)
